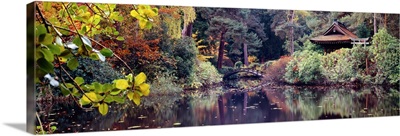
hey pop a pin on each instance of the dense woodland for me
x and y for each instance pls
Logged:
(103, 53)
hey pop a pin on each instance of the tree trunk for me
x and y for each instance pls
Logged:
(245, 103)
(221, 110)
(385, 21)
(245, 55)
(292, 33)
(221, 51)
(375, 23)
(187, 30)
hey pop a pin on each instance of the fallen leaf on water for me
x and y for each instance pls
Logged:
(177, 124)
(133, 127)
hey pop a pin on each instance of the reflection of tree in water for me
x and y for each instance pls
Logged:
(68, 118)
(378, 102)
(339, 103)
(304, 101)
(342, 102)
(268, 105)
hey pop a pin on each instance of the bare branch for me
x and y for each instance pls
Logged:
(73, 24)
(91, 39)
(40, 122)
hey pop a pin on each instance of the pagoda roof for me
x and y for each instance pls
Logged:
(336, 34)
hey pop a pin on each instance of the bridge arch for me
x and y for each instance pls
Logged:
(244, 70)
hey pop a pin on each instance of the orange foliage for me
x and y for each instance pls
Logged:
(173, 11)
(144, 50)
(276, 70)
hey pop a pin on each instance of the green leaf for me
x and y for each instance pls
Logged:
(115, 91)
(106, 52)
(140, 78)
(116, 33)
(54, 49)
(69, 85)
(145, 89)
(129, 77)
(130, 95)
(96, 19)
(148, 25)
(73, 63)
(121, 84)
(108, 99)
(53, 128)
(97, 87)
(66, 54)
(40, 30)
(77, 41)
(120, 18)
(103, 109)
(136, 98)
(45, 65)
(120, 38)
(46, 39)
(119, 99)
(94, 56)
(64, 90)
(107, 87)
(75, 92)
(87, 87)
(79, 80)
(47, 54)
(138, 92)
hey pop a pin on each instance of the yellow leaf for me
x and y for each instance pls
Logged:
(140, 78)
(62, 59)
(83, 102)
(130, 96)
(121, 84)
(89, 97)
(103, 109)
(150, 13)
(135, 14)
(136, 98)
(142, 23)
(145, 89)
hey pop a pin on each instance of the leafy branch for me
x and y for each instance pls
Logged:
(97, 94)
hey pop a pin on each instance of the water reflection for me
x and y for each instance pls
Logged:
(266, 105)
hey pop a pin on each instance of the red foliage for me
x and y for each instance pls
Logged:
(276, 70)
(145, 51)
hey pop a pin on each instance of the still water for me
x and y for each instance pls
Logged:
(266, 105)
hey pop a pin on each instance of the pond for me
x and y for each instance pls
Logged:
(266, 105)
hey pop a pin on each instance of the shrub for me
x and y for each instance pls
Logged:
(90, 70)
(275, 70)
(238, 64)
(255, 65)
(205, 74)
(93, 71)
(338, 66)
(386, 50)
(313, 47)
(164, 83)
(185, 54)
(305, 68)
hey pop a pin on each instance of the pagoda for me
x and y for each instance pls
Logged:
(338, 36)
